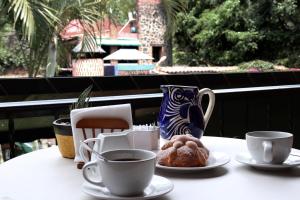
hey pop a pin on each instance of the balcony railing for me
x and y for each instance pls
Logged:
(273, 104)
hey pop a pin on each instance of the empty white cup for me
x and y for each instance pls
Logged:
(271, 147)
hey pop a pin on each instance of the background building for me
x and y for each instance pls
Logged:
(143, 31)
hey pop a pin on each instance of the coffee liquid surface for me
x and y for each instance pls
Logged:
(126, 159)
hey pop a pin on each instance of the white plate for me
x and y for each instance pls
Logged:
(159, 186)
(245, 158)
(215, 159)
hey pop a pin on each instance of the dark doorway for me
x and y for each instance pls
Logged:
(156, 53)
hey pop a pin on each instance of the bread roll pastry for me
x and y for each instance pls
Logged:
(183, 151)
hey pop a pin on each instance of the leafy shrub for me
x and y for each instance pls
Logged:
(257, 64)
(293, 61)
(185, 58)
(10, 59)
(11, 55)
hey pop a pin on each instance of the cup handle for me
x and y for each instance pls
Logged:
(88, 166)
(82, 149)
(211, 103)
(268, 148)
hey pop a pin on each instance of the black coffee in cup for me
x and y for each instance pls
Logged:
(127, 159)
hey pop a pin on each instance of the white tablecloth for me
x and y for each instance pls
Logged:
(45, 175)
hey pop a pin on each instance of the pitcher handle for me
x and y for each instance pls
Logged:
(82, 148)
(211, 103)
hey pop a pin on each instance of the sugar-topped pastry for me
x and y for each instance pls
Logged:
(183, 151)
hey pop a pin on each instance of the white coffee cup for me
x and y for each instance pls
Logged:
(271, 147)
(126, 173)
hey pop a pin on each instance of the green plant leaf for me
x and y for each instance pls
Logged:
(83, 99)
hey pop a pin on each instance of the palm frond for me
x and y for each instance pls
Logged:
(30, 13)
(88, 13)
(172, 8)
(22, 10)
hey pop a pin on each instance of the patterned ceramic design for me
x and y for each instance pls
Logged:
(181, 111)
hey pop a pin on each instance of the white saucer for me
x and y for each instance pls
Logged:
(245, 158)
(159, 186)
(216, 159)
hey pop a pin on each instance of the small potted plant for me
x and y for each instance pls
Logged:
(62, 126)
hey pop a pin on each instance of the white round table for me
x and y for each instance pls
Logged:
(45, 175)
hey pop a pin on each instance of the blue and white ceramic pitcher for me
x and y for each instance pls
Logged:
(181, 110)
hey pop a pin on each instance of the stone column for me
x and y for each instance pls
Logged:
(152, 27)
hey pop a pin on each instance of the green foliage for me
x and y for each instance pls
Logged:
(293, 61)
(228, 32)
(257, 64)
(171, 9)
(38, 25)
(83, 99)
(118, 10)
(10, 54)
(10, 60)
(184, 58)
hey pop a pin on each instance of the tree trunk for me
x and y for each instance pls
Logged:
(169, 51)
(52, 54)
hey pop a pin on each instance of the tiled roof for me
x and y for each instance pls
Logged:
(187, 69)
(108, 29)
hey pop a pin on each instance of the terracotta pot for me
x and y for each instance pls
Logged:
(63, 132)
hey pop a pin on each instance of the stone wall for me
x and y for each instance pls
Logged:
(151, 26)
